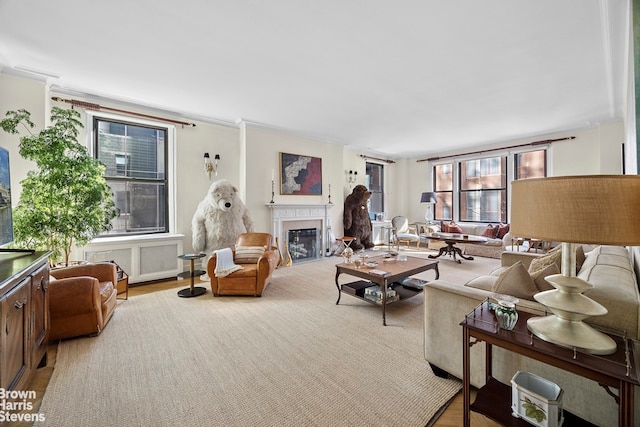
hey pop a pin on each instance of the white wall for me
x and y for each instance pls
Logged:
(263, 148)
(597, 150)
(17, 93)
(250, 152)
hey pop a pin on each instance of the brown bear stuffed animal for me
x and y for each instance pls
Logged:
(356, 219)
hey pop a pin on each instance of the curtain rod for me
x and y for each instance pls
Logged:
(530, 144)
(98, 107)
(375, 158)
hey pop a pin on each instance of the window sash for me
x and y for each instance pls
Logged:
(375, 184)
(136, 170)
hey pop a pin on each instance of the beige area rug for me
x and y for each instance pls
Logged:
(290, 358)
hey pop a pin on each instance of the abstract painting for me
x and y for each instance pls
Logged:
(300, 175)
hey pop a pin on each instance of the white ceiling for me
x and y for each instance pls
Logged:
(398, 78)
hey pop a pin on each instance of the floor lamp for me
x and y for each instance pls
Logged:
(590, 209)
(428, 197)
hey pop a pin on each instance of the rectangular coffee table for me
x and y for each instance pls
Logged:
(384, 274)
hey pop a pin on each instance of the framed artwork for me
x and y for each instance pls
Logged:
(300, 175)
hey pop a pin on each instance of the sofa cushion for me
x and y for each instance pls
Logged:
(454, 228)
(615, 288)
(542, 262)
(491, 231)
(248, 254)
(485, 282)
(503, 229)
(538, 277)
(516, 281)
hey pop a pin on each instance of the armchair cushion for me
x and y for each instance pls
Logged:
(248, 254)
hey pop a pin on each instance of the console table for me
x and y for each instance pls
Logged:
(494, 399)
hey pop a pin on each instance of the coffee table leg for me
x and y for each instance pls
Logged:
(457, 250)
(338, 286)
(443, 250)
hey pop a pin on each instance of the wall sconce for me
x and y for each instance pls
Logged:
(211, 167)
(352, 177)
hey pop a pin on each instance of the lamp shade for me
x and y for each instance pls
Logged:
(592, 209)
(428, 197)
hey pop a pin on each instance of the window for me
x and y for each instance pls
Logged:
(482, 184)
(136, 170)
(532, 164)
(483, 190)
(443, 185)
(375, 184)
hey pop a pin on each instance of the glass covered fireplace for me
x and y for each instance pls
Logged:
(304, 244)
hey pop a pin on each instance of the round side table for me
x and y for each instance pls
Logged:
(191, 291)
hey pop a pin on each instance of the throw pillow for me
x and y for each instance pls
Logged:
(554, 256)
(491, 231)
(248, 254)
(444, 226)
(538, 277)
(503, 229)
(454, 228)
(542, 262)
(516, 281)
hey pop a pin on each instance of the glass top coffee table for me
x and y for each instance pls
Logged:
(451, 239)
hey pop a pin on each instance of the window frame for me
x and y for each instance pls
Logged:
(368, 165)
(456, 162)
(486, 166)
(170, 210)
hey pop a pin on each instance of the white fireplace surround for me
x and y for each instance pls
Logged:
(289, 217)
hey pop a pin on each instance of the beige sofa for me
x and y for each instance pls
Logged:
(491, 249)
(609, 269)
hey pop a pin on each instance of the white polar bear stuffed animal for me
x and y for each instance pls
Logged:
(219, 219)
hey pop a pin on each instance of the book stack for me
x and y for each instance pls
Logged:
(413, 283)
(373, 293)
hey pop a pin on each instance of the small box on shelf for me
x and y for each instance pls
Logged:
(536, 400)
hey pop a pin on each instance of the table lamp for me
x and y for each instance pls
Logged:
(428, 197)
(589, 209)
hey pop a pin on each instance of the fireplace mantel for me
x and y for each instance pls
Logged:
(281, 214)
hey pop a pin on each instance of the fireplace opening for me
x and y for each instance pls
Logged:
(304, 244)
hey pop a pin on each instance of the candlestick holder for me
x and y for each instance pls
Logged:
(272, 191)
(330, 202)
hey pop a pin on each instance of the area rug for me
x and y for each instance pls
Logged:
(290, 358)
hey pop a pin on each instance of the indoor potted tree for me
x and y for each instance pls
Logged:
(66, 201)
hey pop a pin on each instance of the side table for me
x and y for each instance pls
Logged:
(617, 371)
(191, 291)
(122, 281)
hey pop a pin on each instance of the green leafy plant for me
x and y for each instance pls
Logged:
(66, 201)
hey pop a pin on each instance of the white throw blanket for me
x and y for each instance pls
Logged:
(224, 263)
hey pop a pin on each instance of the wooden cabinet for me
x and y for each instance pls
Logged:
(14, 344)
(39, 328)
(24, 317)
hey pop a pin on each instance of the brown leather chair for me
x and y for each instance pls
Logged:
(254, 277)
(82, 299)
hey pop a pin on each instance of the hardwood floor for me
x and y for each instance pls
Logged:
(452, 416)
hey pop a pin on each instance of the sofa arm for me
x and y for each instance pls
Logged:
(509, 258)
(445, 307)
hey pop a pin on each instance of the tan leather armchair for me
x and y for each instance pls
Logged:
(254, 277)
(82, 299)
